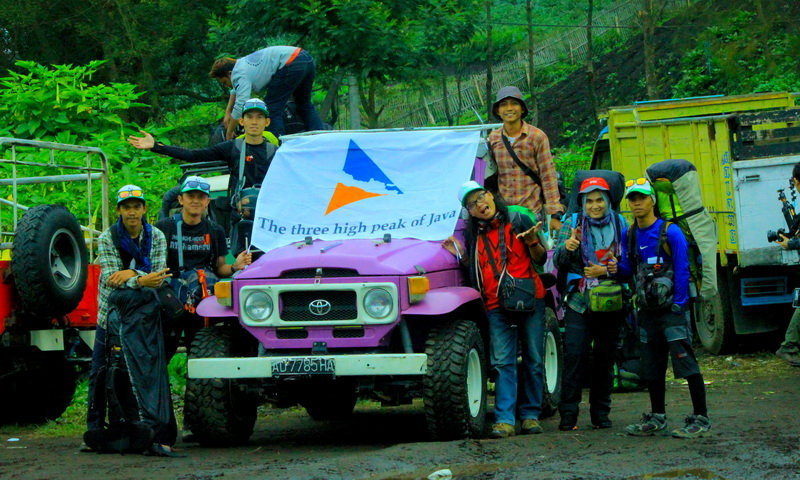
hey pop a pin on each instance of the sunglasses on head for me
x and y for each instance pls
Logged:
(638, 181)
(196, 184)
(131, 193)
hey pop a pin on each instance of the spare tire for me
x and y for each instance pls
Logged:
(49, 261)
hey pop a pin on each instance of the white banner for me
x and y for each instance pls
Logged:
(362, 185)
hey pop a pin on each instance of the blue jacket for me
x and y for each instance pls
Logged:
(647, 245)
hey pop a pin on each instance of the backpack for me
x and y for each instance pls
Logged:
(679, 201)
(654, 285)
(615, 180)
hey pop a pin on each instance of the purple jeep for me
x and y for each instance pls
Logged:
(324, 323)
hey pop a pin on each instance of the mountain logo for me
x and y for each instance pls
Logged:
(366, 175)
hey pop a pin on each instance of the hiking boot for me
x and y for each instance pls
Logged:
(530, 425)
(601, 422)
(696, 426)
(650, 424)
(568, 422)
(502, 430)
(792, 359)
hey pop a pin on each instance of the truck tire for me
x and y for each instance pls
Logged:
(553, 360)
(48, 260)
(337, 402)
(454, 388)
(217, 411)
(713, 318)
(36, 386)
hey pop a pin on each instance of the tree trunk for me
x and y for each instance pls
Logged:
(446, 104)
(532, 105)
(368, 103)
(590, 66)
(489, 59)
(330, 97)
(648, 32)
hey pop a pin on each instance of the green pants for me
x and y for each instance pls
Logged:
(791, 342)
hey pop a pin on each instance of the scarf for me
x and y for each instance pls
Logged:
(140, 253)
(600, 238)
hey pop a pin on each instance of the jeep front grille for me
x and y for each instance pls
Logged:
(323, 305)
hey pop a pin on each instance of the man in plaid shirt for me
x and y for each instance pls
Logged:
(139, 261)
(532, 148)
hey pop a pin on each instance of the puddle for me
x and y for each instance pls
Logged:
(460, 472)
(683, 474)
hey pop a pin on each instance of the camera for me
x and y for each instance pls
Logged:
(775, 235)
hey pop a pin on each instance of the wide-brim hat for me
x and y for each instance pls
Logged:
(509, 92)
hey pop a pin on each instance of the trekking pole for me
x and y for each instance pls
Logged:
(201, 277)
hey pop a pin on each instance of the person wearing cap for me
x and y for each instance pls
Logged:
(248, 168)
(588, 246)
(493, 226)
(529, 180)
(131, 254)
(282, 71)
(655, 256)
(200, 245)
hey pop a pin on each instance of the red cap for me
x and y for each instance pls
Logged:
(594, 183)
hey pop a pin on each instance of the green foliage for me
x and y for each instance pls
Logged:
(571, 158)
(60, 104)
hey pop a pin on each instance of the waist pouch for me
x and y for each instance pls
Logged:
(517, 294)
(654, 286)
(607, 296)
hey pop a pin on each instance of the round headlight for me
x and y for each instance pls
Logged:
(378, 303)
(258, 306)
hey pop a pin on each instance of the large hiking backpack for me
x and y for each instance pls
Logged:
(679, 200)
(615, 180)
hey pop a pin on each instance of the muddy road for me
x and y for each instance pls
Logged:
(753, 401)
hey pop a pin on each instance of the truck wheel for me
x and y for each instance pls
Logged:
(454, 389)
(713, 318)
(49, 261)
(337, 402)
(217, 411)
(553, 364)
(36, 386)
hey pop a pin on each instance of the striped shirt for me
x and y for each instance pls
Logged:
(517, 188)
(110, 261)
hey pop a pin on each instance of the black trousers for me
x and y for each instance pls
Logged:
(590, 344)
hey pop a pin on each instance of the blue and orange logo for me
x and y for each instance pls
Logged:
(361, 168)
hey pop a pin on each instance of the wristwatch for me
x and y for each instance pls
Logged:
(676, 308)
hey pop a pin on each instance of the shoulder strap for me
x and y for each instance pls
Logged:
(242, 146)
(178, 225)
(633, 253)
(489, 255)
(526, 169)
(662, 239)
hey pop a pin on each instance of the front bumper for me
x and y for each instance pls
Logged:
(345, 365)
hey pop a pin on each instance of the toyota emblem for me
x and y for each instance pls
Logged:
(319, 307)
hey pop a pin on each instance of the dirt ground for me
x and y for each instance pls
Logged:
(753, 403)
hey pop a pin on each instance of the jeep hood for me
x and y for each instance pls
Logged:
(368, 257)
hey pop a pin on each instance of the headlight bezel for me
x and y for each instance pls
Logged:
(387, 302)
(258, 296)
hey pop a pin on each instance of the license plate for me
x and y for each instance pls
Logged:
(303, 366)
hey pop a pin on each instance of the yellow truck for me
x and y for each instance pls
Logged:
(744, 148)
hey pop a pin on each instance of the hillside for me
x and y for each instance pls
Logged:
(739, 46)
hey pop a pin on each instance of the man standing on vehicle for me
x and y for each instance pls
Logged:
(195, 243)
(655, 254)
(283, 71)
(526, 174)
(789, 350)
(131, 254)
(505, 239)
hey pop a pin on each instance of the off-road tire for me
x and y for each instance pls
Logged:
(553, 360)
(39, 389)
(330, 400)
(217, 411)
(49, 261)
(456, 354)
(713, 318)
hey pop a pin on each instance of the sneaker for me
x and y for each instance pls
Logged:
(502, 430)
(650, 424)
(696, 426)
(792, 359)
(530, 425)
(601, 422)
